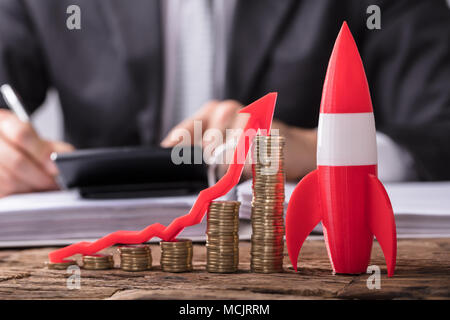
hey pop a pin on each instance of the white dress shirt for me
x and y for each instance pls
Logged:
(221, 17)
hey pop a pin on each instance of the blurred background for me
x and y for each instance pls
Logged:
(48, 120)
(132, 75)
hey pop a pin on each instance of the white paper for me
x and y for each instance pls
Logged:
(421, 209)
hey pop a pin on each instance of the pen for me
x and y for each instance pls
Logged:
(13, 102)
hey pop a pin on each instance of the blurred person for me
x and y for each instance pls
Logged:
(134, 72)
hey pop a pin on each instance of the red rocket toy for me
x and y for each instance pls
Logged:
(344, 192)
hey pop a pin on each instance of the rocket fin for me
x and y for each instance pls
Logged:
(303, 214)
(382, 222)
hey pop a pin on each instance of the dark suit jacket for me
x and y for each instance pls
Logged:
(109, 73)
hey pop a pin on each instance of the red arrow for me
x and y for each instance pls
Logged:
(261, 114)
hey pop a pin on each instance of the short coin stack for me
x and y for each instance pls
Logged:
(135, 257)
(268, 205)
(176, 256)
(61, 265)
(98, 262)
(222, 244)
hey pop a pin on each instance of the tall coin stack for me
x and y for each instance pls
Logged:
(268, 205)
(222, 244)
(98, 262)
(176, 256)
(135, 257)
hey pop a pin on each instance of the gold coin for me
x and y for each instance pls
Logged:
(136, 261)
(177, 249)
(221, 270)
(179, 258)
(218, 267)
(266, 265)
(266, 231)
(177, 243)
(176, 253)
(222, 241)
(267, 257)
(218, 264)
(148, 257)
(176, 256)
(266, 262)
(97, 266)
(267, 247)
(224, 223)
(138, 269)
(98, 262)
(136, 258)
(212, 253)
(223, 228)
(267, 225)
(225, 203)
(60, 265)
(176, 270)
(134, 247)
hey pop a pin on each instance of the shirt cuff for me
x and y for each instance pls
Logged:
(395, 163)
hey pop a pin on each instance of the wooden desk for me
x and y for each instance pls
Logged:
(423, 271)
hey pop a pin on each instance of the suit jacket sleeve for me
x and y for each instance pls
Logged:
(408, 67)
(21, 60)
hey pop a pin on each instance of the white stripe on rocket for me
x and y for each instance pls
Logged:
(346, 139)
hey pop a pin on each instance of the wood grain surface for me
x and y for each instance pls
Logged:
(423, 272)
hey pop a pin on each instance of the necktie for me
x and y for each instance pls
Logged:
(194, 78)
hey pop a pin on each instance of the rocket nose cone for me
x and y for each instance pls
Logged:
(345, 89)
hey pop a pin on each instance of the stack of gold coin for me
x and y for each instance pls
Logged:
(176, 256)
(135, 257)
(98, 262)
(268, 204)
(61, 265)
(222, 244)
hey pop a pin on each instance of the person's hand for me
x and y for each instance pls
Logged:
(216, 119)
(25, 164)
(299, 152)
(217, 115)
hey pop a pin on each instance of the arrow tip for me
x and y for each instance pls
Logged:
(262, 110)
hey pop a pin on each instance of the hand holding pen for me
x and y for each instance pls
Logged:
(25, 164)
